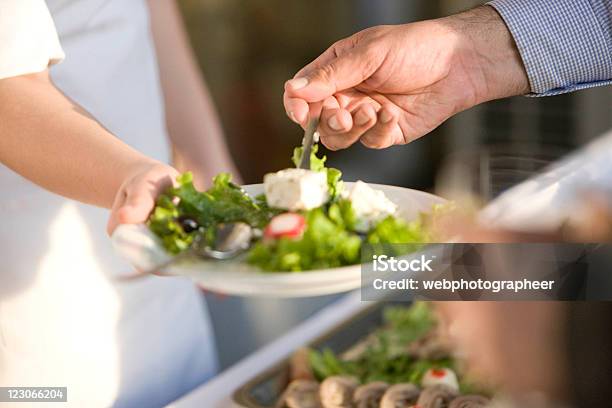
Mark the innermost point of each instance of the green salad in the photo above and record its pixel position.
(404, 349)
(386, 357)
(292, 239)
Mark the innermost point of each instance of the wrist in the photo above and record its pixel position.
(489, 54)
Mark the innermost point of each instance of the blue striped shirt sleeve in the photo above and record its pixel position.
(566, 45)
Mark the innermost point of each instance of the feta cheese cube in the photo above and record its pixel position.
(370, 205)
(296, 189)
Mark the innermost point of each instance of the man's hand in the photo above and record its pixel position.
(389, 85)
(136, 197)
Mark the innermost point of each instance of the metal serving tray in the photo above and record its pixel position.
(263, 390)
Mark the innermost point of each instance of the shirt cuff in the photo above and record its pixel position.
(565, 45)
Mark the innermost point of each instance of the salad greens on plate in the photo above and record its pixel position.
(293, 237)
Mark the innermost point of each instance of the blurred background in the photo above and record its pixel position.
(248, 49)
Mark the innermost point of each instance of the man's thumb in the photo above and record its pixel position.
(341, 73)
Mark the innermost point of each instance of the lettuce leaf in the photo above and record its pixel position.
(326, 243)
(223, 202)
(394, 230)
(318, 164)
(341, 212)
(163, 222)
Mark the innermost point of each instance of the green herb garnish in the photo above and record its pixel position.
(386, 358)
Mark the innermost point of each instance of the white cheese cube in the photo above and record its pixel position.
(296, 189)
(370, 205)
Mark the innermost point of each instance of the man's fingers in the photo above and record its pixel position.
(338, 48)
(297, 109)
(342, 66)
(346, 71)
(386, 132)
(332, 125)
(340, 137)
(365, 116)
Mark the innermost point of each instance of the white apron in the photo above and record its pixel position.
(63, 320)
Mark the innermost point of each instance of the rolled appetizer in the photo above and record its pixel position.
(369, 395)
(300, 394)
(400, 396)
(337, 391)
(438, 396)
(470, 401)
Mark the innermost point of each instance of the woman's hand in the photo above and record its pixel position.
(136, 196)
(389, 85)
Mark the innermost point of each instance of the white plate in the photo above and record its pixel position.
(143, 250)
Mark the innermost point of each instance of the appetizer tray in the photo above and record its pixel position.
(388, 356)
(144, 251)
(266, 388)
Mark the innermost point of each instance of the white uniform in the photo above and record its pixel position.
(64, 321)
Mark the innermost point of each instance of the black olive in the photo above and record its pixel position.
(188, 224)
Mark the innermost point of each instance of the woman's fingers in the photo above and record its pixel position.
(138, 204)
(132, 206)
(386, 132)
(136, 198)
(340, 129)
(113, 220)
